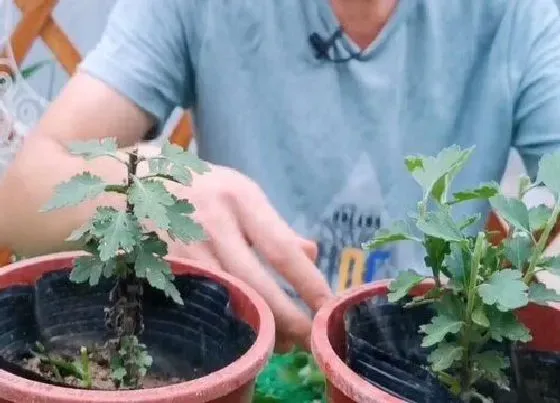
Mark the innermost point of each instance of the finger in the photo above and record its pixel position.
(238, 259)
(276, 242)
(201, 252)
(283, 345)
(309, 248)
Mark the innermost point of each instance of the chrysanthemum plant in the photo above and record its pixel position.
(121, 247)
(478, 286)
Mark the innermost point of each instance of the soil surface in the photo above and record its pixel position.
(99, 368)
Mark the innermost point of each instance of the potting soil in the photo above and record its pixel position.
(186, 342)
(383, 346)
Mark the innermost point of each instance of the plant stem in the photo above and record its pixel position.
(541, 244)
(466, 370)
(86, 368)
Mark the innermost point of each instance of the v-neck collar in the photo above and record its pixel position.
(402, 10)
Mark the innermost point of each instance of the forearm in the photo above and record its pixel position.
(28, 185)
(86, 109)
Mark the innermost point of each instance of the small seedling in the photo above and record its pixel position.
(122, 248)
(478, 286)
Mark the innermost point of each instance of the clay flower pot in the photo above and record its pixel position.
(232, 384)
(330, 346)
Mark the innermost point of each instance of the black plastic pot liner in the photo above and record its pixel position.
(384, 347)
(186, 342)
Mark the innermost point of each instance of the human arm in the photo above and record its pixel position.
(129, 84)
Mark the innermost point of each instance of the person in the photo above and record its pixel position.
(305, 109)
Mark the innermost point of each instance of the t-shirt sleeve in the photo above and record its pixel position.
(143, 54)
(535, 72)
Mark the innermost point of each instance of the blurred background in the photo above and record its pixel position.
(84, 20)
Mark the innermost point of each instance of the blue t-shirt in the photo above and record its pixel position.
(326, 141)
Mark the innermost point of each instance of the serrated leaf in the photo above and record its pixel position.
(172, 292)
(78, 189)
(177, 163)
(538, 216)
(150, 262)
(505, 289)
(492, 363)
(399, 231)
(115, 231)
(513, 211)
(181, 225)
(405, 281)
(440, 224)
(91, 149)
(444, 356)
(549, 166)
(436, 250)
(505, 325)
(80, 233)
(524, 185)
(151, 200)
(434, 174)
(440, 326)
(540, 294)
(518, 251)
(89, 269)
(484, 192)
(479, 316)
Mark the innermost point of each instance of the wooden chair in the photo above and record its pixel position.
(37, 22)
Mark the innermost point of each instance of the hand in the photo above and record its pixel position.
(237, 217)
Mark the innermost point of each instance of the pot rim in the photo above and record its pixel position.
(338, 373)
(207, 388)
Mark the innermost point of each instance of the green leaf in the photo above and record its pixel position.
(172, 292)
(440, 224)
(484, 192)
(492, 363)
(116, 231)
(538, 216)
(150, 263)
(434, 174)
(505, 325)
(81, 232)
(91, 149)
(505, 289)
(441, 326)
(518, 251)
(400, 231)
(457, 265)
(119, 374)
(180, 225)
(151, 200)
(513, 211)
(90, 268)
(467, 222)
(444, 356)
(405, 281)
(78, 189)
(524, 185)
(177, 163)
(479, 316)
(552, 264)
(549, 166)
(436, 251)
(539, 294)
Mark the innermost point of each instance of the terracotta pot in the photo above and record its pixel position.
(328, 341)
(232, 384)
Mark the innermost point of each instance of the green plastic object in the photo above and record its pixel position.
(293, 378)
